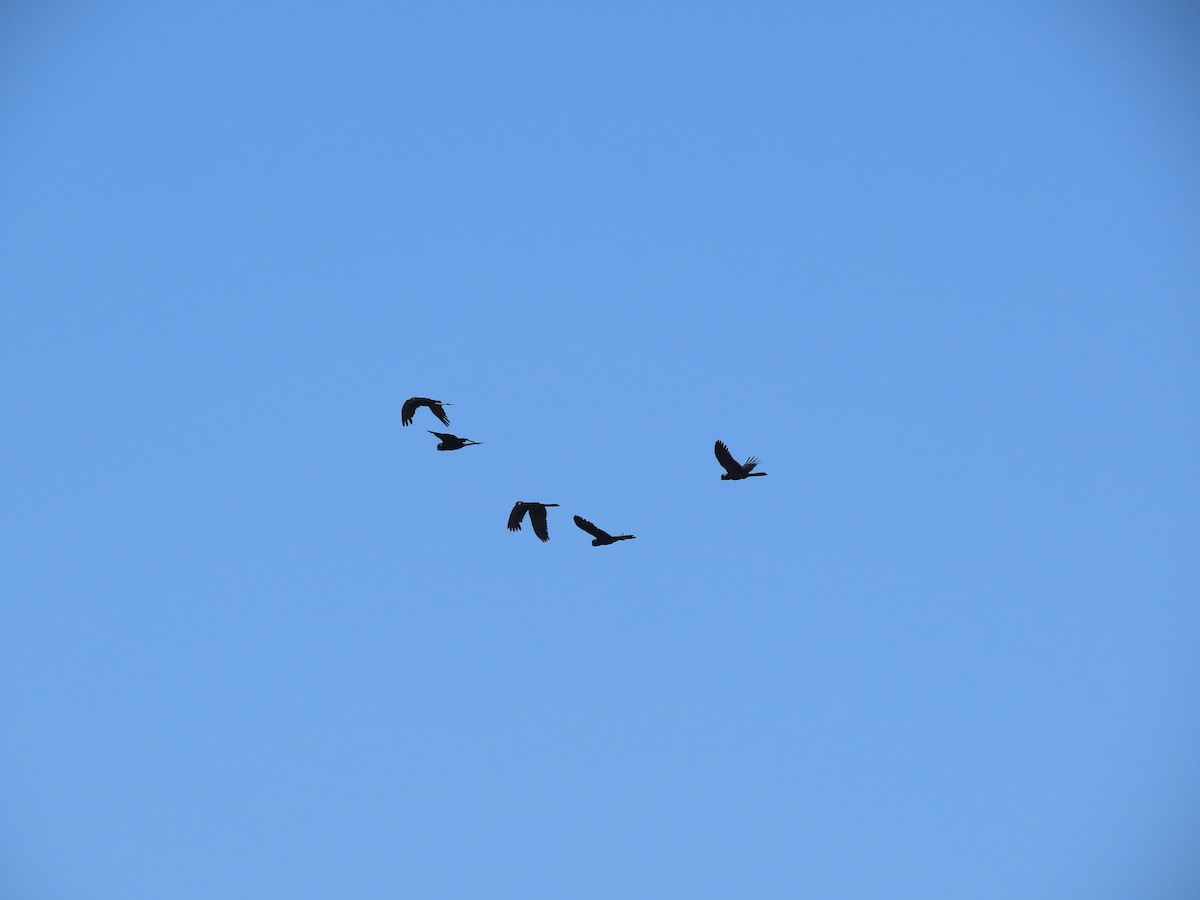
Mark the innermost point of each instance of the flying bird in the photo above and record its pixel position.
(451, 441)
(735, 471)
(435, 406)
(602, 537)
(537, 517)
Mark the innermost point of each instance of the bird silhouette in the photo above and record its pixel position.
(735, 471)
(602, 537)
(451, 441)
(537, 517)
(435, 406)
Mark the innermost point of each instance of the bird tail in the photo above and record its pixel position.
(624, 537)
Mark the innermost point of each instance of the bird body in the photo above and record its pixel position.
(413, 403)
(735, 471)
(537, 517)
(451, 441)
(601, 537)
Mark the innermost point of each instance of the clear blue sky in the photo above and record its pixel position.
(935, 263)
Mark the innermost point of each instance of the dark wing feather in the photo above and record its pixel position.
(444, 437)
(517, 514)
(407, 410)
(440, 413)
(591, 529)
(751, 462)
(537, 518)
(725, 458)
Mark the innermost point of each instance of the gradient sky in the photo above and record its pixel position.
(935, 263)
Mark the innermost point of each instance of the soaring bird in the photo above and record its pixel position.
(537, 517)
(735, 471)
(452, 442)
(601, 537)
(435, 406)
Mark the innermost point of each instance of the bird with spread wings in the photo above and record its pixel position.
(601, 537)
(735, 471)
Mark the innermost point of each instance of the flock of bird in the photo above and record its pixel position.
(734, 471)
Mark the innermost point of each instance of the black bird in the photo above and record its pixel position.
(735, 471)
(537, 517)
(452, 442)
(601, 537)
(435, 406)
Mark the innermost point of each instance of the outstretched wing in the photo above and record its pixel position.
(407, 410)
(591, 529)
(444, 437)
(751, 462)
(438, 411)
(725, 458)
(518, 513)
(537, 518)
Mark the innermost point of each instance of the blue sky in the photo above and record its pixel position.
(935, 264)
